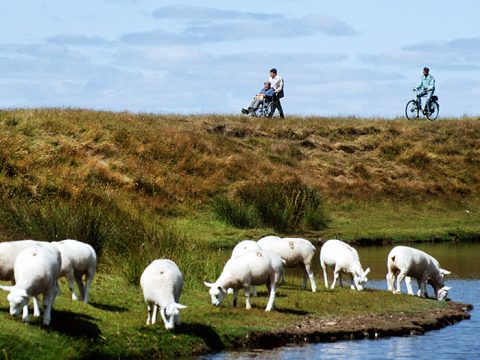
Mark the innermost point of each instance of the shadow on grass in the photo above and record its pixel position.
(266, 295)
(291, 311)
(111, 308)
(74, 325)
(209, 336)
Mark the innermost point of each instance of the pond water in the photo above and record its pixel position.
(459, 341)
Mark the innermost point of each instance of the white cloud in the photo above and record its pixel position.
(79, 40)
(209, 25)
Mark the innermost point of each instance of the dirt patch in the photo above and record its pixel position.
(372, 326)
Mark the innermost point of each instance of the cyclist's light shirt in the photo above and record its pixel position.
(427, 83)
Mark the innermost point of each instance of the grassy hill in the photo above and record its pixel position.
(125, 181)
(141, 186)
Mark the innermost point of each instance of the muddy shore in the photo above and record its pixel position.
(314, 330)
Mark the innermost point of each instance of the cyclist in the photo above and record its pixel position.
(426, 87)
(265, 94)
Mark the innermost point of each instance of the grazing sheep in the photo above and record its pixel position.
(255, 267)
(36, 272)
(162, 283)
(344, 259)
(8, 253)
(244, 246)
(241, 248)
(404, 261)
(78, 259)
(295, 252)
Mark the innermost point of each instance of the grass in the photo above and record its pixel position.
(285, 205)
(142, 186)
(364, 222)
(113, 324)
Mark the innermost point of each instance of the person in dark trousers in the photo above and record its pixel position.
(277, 85)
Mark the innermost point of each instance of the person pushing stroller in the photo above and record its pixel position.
(265, 95)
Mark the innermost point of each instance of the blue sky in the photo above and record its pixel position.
(343, 57)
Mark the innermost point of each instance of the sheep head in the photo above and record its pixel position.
(170, 314)
(216, 292)
(17, 299)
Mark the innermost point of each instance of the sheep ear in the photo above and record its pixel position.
(366, 271)
(180, 306)
(445, 272)
(446, 288)
(207, 284)
(6, 288)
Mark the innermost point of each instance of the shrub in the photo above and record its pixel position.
(125, 243)
(56, 220)
(287, 205)
(235, 212)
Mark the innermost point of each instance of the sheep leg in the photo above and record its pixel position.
(324, 268)
(235, 297)
(304, 281)
(71, 283)
(81, 287)
(390, 281)
(272, 285)
(335, 277)
(309, 272)
(422, 284)
(408, 282)
(48, 299)
(248, 306)
(25, 317)
(154, 313)
(400, 277)
(36, 307)
(88, 282)
(149, 314)
(353, 284)
(254, 290)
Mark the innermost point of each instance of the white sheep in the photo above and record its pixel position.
(162, 283)
(78, 259)
(241, 248)
(344, 259)
(36, 272)
(244, 246)
(404, 261)
(295, 252)
(255, 267)
(8, 253)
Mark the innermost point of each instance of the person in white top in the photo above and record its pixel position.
(277, 85)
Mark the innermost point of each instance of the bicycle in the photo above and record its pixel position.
(412, 110)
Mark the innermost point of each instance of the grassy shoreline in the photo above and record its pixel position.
(113, 324)
(141, 186)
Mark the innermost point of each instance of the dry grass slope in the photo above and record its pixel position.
(176, 163)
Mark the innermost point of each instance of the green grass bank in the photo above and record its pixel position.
(143, 186)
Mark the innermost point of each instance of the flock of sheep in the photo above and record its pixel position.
(261, 262)
(34, 268)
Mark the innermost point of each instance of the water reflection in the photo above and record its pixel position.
(453, 342)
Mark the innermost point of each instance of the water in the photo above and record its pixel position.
(459, 341)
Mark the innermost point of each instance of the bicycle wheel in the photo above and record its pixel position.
(434, 109)
(411, 110)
